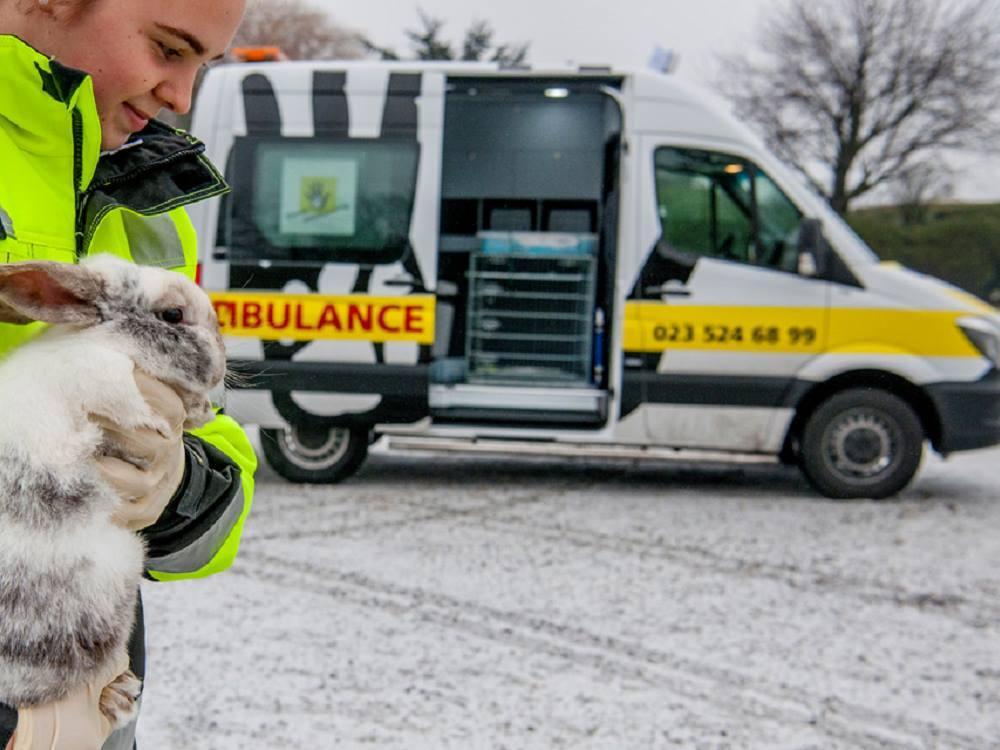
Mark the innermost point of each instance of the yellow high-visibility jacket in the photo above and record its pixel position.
(61, 199)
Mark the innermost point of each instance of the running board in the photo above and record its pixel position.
(571, 450)
(516, 397)
(518, 405)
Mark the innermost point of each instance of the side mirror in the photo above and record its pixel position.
(813, 250)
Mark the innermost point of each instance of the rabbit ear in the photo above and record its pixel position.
(49, 292)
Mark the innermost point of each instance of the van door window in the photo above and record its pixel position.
(723, 206)
(314, 201)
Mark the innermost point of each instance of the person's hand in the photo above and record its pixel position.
(76, 722)
(144, 467)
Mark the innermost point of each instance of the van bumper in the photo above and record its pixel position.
(969, 412)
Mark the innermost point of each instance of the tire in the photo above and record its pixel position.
(862, 443)
(315, 456)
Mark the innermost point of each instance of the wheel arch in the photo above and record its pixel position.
(805, 403)
(297, 460)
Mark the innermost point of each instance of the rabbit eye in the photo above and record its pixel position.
(172, 315)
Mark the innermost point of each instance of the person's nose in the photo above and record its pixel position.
(176, 92)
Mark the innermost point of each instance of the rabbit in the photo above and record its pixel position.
(69, 577)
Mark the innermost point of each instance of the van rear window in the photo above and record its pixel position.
(312, 200)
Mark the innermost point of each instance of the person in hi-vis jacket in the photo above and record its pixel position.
(85, 167)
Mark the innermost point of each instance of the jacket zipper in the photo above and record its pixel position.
(77, 179)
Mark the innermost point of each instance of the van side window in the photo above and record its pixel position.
(723, 206)
(308, 200)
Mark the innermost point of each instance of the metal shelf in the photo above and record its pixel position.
(541, 309)
(523, 336)
(535, 295)
(530, 316)
(515, 276)
(520, 356)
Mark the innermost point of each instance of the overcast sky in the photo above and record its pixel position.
(617, 32)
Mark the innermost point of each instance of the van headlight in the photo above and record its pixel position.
(983, 336)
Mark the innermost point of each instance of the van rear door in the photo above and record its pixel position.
(328, 241)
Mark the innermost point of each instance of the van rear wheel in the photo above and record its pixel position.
(862, 443)
(315, 456)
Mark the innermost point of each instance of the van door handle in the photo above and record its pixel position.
(670, 289)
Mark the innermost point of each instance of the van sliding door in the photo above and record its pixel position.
(527, 252)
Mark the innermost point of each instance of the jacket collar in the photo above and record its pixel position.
(158, 170)
(39, 96)
(53, 112)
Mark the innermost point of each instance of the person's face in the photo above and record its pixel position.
(144, 55)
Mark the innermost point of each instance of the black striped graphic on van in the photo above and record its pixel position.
(331, 116)
(260, 106)
(399, 118)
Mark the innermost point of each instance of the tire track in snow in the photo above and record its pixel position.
(976, 613)
(744, 697)
(427, 513)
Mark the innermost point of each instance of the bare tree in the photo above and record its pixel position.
(302, 31)
(428, 43)
(854, 92)
(918, 185)
(478, 40)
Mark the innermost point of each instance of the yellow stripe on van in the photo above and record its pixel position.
(926, 333)
(306, 317)
(654, 327)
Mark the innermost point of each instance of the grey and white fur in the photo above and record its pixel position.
(69, 576)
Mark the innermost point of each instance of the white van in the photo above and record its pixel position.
(571, 257)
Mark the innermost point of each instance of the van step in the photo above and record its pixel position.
(443, 398)
(569, 450)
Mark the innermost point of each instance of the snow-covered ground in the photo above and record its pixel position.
(447, 602)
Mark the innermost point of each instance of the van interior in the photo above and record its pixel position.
(526, 267)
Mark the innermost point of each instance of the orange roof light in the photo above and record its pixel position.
(257, 54)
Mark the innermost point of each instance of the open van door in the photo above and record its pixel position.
(528, 253)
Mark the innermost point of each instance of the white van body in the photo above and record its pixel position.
(570, 256)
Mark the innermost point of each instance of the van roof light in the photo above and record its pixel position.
(257, 54)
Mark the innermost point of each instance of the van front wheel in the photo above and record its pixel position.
(862, 442)
(315, 456)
